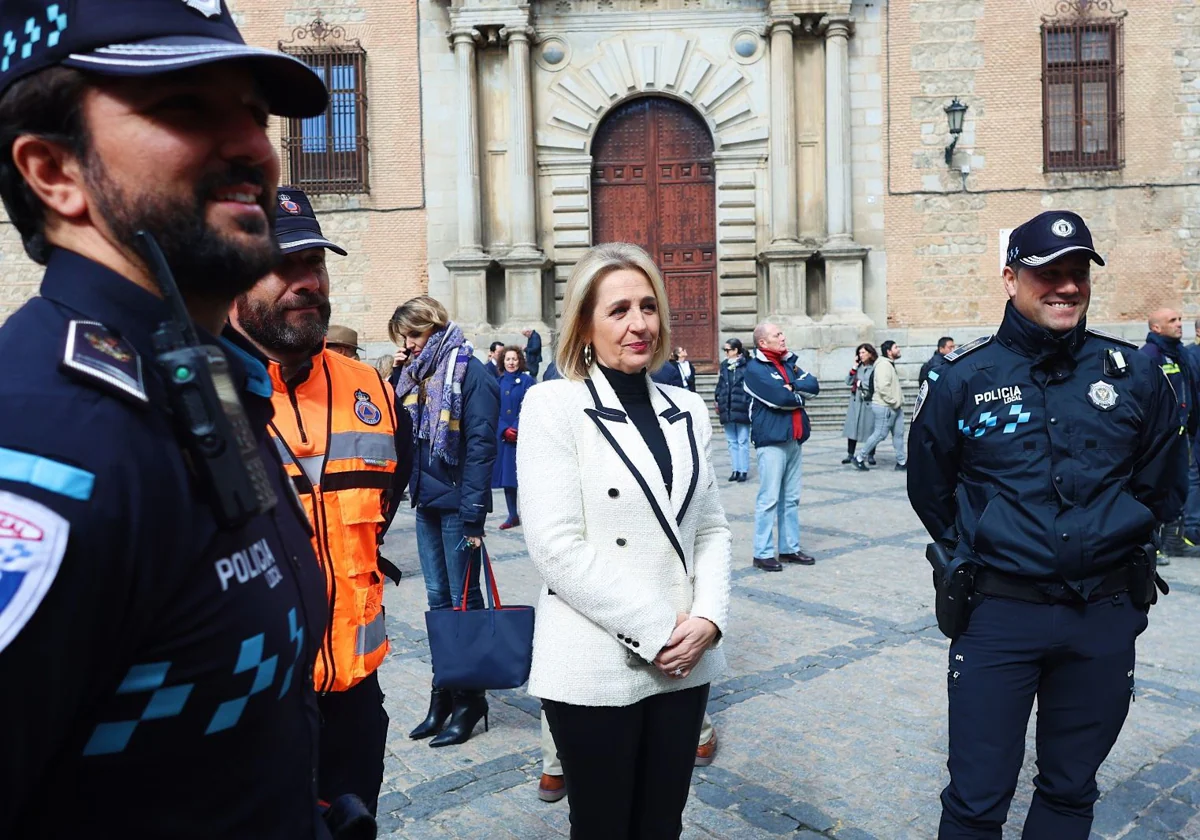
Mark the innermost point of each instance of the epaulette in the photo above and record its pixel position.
(99, 357)
(969, 347)
(1111, 337)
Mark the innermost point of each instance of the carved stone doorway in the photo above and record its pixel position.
(653, 184)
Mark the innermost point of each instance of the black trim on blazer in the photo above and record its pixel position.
(599, 414)
(672, 415)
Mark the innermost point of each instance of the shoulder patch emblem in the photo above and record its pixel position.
(1103, 395)
(97, 353)
(969, 347)
(33, 540)
(1111, 337)
(366, 410)
(921, 395)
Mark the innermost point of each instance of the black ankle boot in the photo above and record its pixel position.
(441, 703)
(469, 707)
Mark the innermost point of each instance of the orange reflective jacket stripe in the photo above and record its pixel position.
(335, 432)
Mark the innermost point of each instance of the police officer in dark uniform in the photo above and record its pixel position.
(156, 634)
(1041, 462)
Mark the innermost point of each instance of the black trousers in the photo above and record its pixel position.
(628, 768)
(353, 739)
(1078, 661)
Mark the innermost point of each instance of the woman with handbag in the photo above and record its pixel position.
(453, 402)
(623, 518)
(514, 382)
(733, 408)
(860, 421)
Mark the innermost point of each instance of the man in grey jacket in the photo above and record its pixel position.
(888, 407)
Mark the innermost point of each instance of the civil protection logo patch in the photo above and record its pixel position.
(33, 540)
(366, 410)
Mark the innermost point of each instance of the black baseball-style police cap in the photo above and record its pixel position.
(296, 226)
(146, 38)
(1048, 236)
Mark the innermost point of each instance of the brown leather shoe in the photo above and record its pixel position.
(551, 788)
(705, 753)
(799, 557)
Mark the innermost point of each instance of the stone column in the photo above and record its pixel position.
(784, 181)
(524, 263)
(468, 266)
(837, 131)
(784, 257)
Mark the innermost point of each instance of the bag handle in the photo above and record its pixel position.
(493, 593)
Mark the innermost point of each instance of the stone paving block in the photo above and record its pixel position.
(1164, 774)
(811, 816)
(393, 801)
(1185, 754)
(769, 821)
(1167, 814)
(1189, 793)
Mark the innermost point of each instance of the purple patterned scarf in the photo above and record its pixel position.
(437, 412)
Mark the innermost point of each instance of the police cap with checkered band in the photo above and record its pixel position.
(146, 38)
(1047, 237)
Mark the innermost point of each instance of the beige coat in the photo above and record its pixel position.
(887, 385)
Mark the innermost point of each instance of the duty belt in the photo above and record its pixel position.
(1003, 585)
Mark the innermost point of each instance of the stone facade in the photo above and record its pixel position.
(946, 227)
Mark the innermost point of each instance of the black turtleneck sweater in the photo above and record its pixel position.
(633, 391)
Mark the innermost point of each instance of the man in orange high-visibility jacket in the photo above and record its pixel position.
(348, 452)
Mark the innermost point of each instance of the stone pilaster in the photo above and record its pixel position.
(838, 187)
(524, 264)
(468, 266)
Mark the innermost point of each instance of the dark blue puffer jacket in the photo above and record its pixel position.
(466, 488)
(733, 403)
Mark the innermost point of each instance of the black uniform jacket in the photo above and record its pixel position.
(155, 669)
(1034, 458)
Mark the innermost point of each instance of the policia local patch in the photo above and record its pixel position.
(33, 540)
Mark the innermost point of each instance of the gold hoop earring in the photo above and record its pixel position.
(587, 355)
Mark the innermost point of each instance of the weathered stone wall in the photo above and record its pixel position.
(944, 229)
(384, 231)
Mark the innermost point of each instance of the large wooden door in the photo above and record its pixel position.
(653, 185)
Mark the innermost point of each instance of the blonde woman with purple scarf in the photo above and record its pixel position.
(454, 403)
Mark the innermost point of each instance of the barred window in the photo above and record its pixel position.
(328, 153)
(1082, 94)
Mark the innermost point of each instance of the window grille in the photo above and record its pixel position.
(1082, 94)
(328, 153)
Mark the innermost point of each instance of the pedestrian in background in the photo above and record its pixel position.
(887, 406)
(453, 401)
(514, 383)
(533, 352)
(733, 407)
(929, 370)
(777, 386)
(860, 420)
(495, 363)
(1165, 348)
(686, 372)
(623, 519)
(341, 340)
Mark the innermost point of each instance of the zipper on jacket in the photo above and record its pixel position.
(296, 408)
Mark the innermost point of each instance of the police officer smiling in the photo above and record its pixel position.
(156, 635)
(1041, 462)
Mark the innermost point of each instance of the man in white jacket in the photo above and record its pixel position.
(888, 407)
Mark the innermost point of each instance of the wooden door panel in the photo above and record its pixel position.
(653, 184)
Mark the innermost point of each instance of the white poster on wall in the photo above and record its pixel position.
(1004, 234)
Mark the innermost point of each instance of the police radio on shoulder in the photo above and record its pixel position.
(210, 422)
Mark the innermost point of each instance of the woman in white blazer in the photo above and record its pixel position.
(623, 519)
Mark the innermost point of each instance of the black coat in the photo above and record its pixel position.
(733, 403)
(533, 353)
(465, 489)
(668, 374)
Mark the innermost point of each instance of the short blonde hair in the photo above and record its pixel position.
(580, 301)
(417, 315)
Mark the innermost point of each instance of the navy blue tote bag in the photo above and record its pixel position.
(490, 648)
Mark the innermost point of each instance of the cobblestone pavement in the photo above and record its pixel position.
(832, 719)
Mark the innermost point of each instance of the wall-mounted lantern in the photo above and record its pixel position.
(955, 113)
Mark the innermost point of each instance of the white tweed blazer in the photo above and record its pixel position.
(620, 557)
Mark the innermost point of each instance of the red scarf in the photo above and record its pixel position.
(776, 359)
